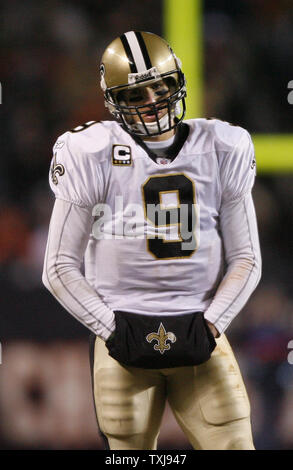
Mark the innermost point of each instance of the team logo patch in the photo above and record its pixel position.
(163, 160)
(161, 337)
(121, 155)
(57, 169)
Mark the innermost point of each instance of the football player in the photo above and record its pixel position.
(160, 210)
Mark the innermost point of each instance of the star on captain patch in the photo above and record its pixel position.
(121, 155)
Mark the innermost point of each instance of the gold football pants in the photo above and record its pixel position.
(209, 401)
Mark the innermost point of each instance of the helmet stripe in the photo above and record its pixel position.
(144, 50)
(136, 51)
(128, 52)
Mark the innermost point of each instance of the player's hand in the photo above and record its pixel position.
(213, 329)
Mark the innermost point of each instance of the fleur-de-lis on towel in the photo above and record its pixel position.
(161, 336)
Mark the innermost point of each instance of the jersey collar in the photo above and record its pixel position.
(172, 152)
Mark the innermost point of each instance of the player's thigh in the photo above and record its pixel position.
(210, 402)
(129, 401)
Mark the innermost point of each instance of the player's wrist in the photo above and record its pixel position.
(111, 336)
(213, 329)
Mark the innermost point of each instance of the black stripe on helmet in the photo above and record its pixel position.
(128, 53)
(144, 50)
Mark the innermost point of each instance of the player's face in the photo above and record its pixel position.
(145, 96)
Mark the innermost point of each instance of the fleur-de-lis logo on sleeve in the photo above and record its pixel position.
(57, 169)
(161, 337)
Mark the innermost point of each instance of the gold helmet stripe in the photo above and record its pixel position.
(137, 51)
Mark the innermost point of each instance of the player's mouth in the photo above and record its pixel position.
(151, 116)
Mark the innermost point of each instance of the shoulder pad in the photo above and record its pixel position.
(227, 135)
(90, 138)
(216, 134)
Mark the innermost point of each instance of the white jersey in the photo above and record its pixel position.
(156, 240)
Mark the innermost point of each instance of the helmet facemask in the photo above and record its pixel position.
(174, 104)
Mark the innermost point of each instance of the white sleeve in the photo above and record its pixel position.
(74, 172)
(239, 231)
(69, 231)
(242, 253)
(238, 169)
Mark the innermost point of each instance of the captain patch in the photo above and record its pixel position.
(121, 155)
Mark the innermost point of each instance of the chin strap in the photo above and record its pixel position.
(152, 127)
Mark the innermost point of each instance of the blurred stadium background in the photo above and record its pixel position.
(49, 55)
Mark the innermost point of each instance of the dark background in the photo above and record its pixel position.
(50, 51)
